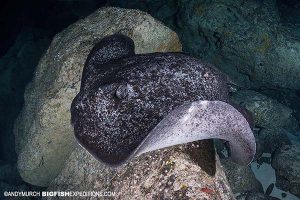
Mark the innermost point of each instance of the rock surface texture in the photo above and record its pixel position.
(181, 172)
(241, 178)
(274, 120)
(247, 39)
(267, 112)
(286, 162)
(44, 135)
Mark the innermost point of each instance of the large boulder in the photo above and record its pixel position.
(286, 162)
(190, 171)
(44, 135)
(274, 119)
(255, 196)
(267, 112)
(273, 139)
(241, 178)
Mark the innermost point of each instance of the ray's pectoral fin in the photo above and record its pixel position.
(110, 48)
(203, 120)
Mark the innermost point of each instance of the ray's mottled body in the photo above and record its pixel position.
(124, 96)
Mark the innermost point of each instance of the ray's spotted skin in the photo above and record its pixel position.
(131, 103)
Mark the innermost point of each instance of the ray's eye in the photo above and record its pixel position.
(122, 91)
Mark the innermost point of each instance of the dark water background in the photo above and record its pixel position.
(27, 28)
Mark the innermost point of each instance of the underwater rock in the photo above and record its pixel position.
(275, 120)
(257, 196)
(245, 39)
(267, 112)
(240, 178)
(289, 98)
(286, 162)
(259, 148)
(269, 189)
(273, 139)
(44, 135)
(181, 172)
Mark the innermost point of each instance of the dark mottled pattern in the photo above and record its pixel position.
(123, 96)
